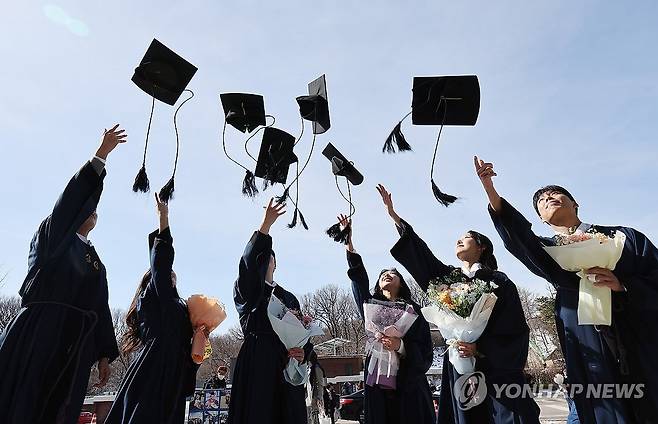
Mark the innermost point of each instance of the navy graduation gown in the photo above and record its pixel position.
(260, 394)
(593, 354)
(411, 402)
(503, 345)
(64, 326)
(163, 374)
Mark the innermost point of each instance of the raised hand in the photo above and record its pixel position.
(344, 222)
(163, 212)
(387, 199)
(485, 172)
(111, 139)
(273, 211)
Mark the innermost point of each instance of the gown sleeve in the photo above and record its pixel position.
(250, 283)
(106, 342)
(519, 239)
(416, 257)
(162, 261)
(359, 277)
(78, 200)
(642, 286)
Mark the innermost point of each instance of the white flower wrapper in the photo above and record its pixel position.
(292, 333)
(454, 328)
(594, 303)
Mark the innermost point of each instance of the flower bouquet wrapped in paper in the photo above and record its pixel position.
(581, 251)
(385, 319)
(294, 330)
(461, 310)
(206, 313)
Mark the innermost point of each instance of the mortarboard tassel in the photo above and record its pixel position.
(443, 198)
(338, 235)
(293, 223)
(141, 181)
(167, 191)
(281, 200)
(249, 184)
(303, 221)
(396, 137)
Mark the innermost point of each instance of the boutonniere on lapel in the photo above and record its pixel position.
(95, 264)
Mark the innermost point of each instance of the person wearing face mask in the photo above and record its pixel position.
(218, 380)
(64, 325)
(502, 349)
(411, 400)
(260, 394)
(163, 374)
(621, 352)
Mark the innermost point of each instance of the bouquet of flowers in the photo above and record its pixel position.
(385, 319)
(294, 330)
(583, 250)
(460, 309)
(206, 314)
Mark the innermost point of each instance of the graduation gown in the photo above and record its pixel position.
(503, 346)
(593, 354)
(260, 394)
(64, 326)
(163, 375)
(411, 401)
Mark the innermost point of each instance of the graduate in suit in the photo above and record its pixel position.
(64, 326)
(501, 351)
(411, 400)
(163, 374)
(621, 352)
(260, 394)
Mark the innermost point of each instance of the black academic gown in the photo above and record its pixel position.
(594, 354)
(260, 394)
(64, 326)
(163, 375)
(411, 401)
(503, 345)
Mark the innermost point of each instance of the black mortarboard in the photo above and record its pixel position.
(275, 156)
(315, 106)
(244, 112)
(163, 74)
(341, 167)
(443, 100)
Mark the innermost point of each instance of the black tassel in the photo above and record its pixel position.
(281, 200)
(396, 137)
(443, 198)
(249, 184)
(338, 235)
(167, 191)
(293, 223)
(301, 218)
(141, 181)
(266, 184)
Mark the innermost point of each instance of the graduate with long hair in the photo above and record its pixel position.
(614, 353)
(501, 351)
(411, 400)
(163, 374)
(260, 394)
(64, 325)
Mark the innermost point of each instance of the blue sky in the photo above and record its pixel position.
(569, 96)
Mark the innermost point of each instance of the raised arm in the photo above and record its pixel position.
(162, 254)
(254, 262)
(356, 270)
(410, 250)
(516, 232)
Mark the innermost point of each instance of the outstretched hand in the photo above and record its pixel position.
(344, 222)
(273, 211)
(163, 212)
(485, 171)
(111, 139)
(387, 199)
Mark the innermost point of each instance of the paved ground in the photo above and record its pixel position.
(553, 411)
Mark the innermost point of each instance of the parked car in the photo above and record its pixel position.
(351, 406)
(85, 418)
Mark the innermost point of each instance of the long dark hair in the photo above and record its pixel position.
(130, 341)
(487, 258)
(404, 293)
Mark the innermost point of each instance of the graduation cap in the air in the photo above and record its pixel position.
(163, 75)
(315, 106)
(443, 100)
(275, 156)
(246, 113)
(341, 167)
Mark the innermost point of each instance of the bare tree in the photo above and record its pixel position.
(9, 307)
